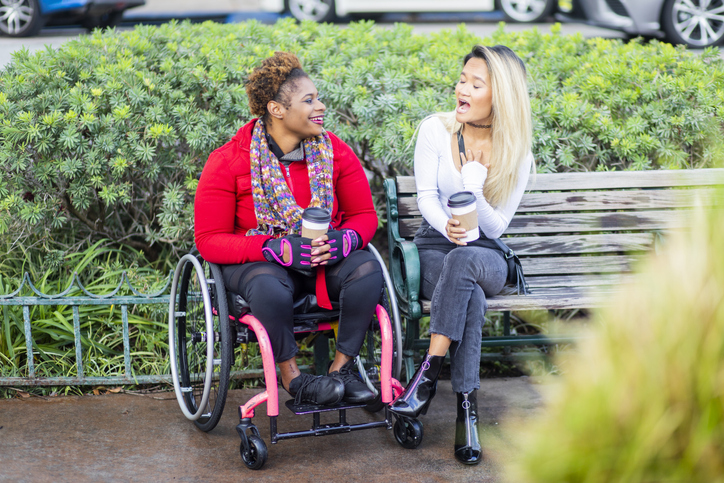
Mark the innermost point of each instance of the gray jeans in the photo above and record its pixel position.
(457, 280)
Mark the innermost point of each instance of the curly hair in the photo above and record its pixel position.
(273, 81)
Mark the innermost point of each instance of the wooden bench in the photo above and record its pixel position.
(577, 235)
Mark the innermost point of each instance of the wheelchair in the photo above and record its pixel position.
(207, 323)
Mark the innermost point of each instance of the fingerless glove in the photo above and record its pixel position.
(342, 243)
(299, 251)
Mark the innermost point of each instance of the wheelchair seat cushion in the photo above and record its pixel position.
(305, 308)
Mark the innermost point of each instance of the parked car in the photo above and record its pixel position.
(24, 18)
(695, 23)
(329, 10)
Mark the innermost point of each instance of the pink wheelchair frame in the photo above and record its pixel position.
(188, 345)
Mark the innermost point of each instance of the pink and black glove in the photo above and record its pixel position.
(299, 249)
(342, 243)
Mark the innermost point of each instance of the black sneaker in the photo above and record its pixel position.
(318, 390)
(355, 391)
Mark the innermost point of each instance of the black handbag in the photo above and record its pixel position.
(516, 277)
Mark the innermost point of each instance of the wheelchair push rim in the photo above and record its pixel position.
(174, 315)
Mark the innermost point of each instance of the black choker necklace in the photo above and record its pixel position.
(481, 126)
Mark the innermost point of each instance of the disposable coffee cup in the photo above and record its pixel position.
(315, 222)
(463, 208)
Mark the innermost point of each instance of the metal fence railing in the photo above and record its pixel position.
(75, 296)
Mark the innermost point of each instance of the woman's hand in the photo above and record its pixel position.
(476, 157)
(334, 246)
(320, 251)
(454, 232)
(288, 251)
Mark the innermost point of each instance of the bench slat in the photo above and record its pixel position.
(578, 265)
(597, 201)
(605, 180)
(598, 280)
(579, 244)
(616, 200)
(580, 222)
(565, 298)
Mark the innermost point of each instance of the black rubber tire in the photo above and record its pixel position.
(192, 354)
(408, 432)
(108, 20)
(257, 455)
(27, 28)
(668, 21)
(511, 16)
(329, 16)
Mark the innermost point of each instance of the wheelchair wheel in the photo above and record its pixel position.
(255, 456)
(200, 341)
(408, 432)
(370, 356)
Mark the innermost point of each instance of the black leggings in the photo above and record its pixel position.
(270, 291)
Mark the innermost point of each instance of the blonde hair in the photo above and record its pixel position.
(512, 131)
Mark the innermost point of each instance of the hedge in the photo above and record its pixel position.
(105, 137)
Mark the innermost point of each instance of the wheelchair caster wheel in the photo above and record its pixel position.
(255, 456)
(376, 405)
(408, 432)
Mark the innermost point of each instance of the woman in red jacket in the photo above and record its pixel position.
(248, 210)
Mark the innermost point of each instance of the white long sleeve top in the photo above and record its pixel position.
(437, 179)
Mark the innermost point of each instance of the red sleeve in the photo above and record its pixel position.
(352, 192)
(214, 213)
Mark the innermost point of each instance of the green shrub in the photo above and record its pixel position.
(642, 400)
(107, 135)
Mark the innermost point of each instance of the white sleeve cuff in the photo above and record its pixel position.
(474, 175)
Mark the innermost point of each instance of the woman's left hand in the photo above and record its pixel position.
(320, 251)
(334, 246)
(476, 157)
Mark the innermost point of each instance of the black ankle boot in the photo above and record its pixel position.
(421, 389)
(467, 443)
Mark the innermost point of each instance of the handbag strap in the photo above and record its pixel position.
(504, 248)
(508, 253)
(461, 146)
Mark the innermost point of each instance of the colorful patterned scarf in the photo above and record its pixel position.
(277, 212)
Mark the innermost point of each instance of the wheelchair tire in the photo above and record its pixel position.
(255, 457)
(200, 370)
(408, 432)
(371, 353)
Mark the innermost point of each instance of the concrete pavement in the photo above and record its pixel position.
(124, 437)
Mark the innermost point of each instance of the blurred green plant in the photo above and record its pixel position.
(643, 399)
(108, 134)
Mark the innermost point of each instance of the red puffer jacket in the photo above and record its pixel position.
(224, 206)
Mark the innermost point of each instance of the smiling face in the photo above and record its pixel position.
(302, 113)
(474, 93)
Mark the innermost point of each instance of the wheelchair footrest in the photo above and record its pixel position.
(312, 408)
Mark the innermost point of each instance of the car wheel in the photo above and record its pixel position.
(316, 10)
(108, 20)
(20, 18)
(527, 11)
(694, 23)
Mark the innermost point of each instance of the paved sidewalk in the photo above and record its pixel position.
(124, 437)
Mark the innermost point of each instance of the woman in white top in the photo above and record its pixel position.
(493, 120)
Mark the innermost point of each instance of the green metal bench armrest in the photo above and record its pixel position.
(405, 271)
(404, 260)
